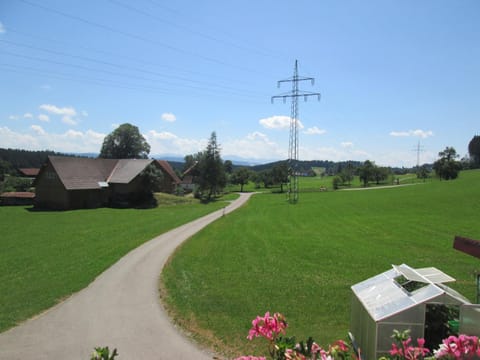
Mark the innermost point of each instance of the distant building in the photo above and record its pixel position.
(75, 183)
(170, 179)
(17, 198)
(29, 172)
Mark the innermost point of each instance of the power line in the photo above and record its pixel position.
(134, 36)
(233, 91)
(123, 56)
(231, 42)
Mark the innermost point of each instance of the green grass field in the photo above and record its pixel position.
(46, 256)
(302, 259)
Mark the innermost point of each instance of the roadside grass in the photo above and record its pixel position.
(46, 255)
(301, 259)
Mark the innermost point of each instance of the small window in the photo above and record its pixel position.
(409, 285)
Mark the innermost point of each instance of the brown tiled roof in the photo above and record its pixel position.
(168, 169)
(127, 169)
(87, 173)
(29, 171)
(18, 194)
(82, 173)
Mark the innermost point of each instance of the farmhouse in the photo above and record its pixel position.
(170, 179)
(75, 183)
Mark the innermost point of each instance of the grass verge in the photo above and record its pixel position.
(46, 256)
(302, 259)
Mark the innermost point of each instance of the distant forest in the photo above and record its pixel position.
(13, 159)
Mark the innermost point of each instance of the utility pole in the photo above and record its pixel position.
(292, 191)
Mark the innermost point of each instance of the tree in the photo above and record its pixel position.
(474, 151)
(280, 175)
(447, 167)
(366, 172)
(241, 177)
(380, 174)
(423, 173)
(228, 166)
(125, 142)
(211, 172)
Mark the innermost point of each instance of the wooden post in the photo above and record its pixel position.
(470, 247)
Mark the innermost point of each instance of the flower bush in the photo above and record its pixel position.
(402, 348)
(463, 347)
(270, 327)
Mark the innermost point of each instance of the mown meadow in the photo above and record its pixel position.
(301, 259)
(47, 255)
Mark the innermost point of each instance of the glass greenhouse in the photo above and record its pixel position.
(397, 299)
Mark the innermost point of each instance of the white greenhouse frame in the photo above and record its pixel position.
(380, 305)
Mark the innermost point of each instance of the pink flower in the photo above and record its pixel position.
(251, 358)
(315, 348)
(268, 326)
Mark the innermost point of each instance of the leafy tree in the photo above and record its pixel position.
(125, 142)
(447, 167)
(423, 173)
(241, 177)
(380, 174)
(474, 151)
(279, 175)
(211, 171)
(152, 178)
(228, 166)
(366, 172)
(14, 183)
(266, 178)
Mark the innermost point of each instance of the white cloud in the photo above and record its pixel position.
(255, 145)
(14, 140)
(314, 131)
(46, 87)
(168, 143)
(43, 117)
(278, 122)
(27, 116)
(84, 113)
(163, 135)
(38, 130)
(69, 120)
(2, 28)
(346, 144)
(13, 117)
(65, 111)
(417, 133)
(39, 139)
(169, 117)
(333, 154)
(68, 113)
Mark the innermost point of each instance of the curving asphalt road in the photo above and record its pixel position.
(120, 309)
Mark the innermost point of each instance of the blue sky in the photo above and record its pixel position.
(391, 74)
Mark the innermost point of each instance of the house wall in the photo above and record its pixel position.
(87, 199)
(49, 191)
(168, 185)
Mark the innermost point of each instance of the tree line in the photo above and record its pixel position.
(212, 174)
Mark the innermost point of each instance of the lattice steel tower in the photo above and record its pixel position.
(292, 192)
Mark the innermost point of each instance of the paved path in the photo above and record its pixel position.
(120, 309)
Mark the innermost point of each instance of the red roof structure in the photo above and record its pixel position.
(30, 172)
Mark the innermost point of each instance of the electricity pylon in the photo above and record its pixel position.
(292, 191)
(418, 149)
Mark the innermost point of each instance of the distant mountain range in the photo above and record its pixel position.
(176, 158)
